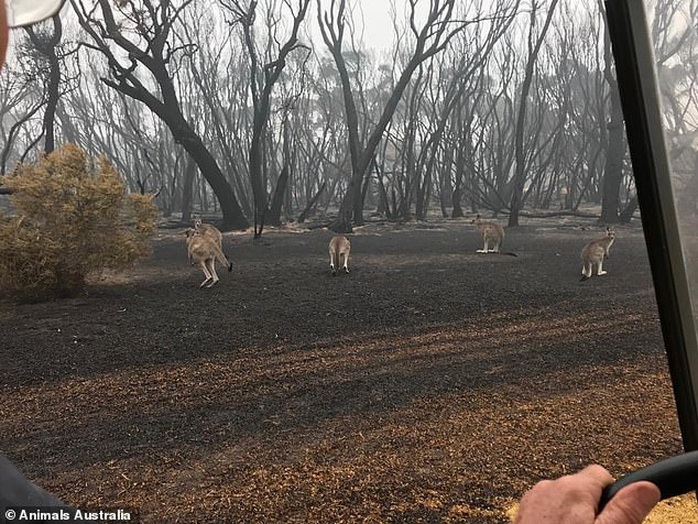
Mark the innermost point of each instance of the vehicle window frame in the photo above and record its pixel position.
(637, 81)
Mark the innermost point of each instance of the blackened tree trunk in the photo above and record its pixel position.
(47, 46)
(613, 170)
(311, 203)
(263, 77)
(433, 37)
(152, 25)
(188, 188)
(289, 157)
(517, 197)
(629, 211)
(278, 198)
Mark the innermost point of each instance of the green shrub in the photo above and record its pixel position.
(72, 219)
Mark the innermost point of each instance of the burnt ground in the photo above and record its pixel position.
(431, 384)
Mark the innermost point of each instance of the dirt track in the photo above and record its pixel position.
(431, 384)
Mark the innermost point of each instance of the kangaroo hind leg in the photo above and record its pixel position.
(333, 267)
(600, 270)
(212, 270)
(207, 274)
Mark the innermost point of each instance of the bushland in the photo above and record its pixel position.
(71, 217)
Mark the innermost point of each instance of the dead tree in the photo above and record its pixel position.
(153, 47)
(433, 37)
(534, 45)
(46, 44)
(263, 77)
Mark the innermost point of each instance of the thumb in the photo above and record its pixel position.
(631, 504)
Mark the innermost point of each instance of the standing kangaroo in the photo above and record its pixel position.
(204, 252)
(491, 232)
(339, 254)
(595, 252)
(212, 233)
(209, 230)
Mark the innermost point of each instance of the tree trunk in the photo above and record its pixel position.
(312, 203)
(184, 134)
(163, 99)
(188, 188)
(53, 88)
(233, 217)
(342, 224)
(629, 211)
(273, 216)
(517, 197)
(431, 39)
(259, 194)
(46, 45)
(613, 171)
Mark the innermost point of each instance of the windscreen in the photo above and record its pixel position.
(675, 43)
(654, 46)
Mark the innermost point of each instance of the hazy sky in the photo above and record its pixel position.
(378, 29)
(377, 21)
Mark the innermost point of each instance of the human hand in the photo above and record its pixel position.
(574, 499)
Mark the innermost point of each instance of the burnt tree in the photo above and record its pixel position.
(263, 77)
(153, 48)
(433, 37)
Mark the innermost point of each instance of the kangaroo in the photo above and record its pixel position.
(209, 230)
(491, 231)
(202, 251)
(595, 252)
(339, 254)
(212, 233)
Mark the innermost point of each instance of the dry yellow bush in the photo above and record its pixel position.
(73, 218)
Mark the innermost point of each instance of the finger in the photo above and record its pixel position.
(597, 475)
(631, 504)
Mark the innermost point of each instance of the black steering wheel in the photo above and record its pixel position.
(673, 476)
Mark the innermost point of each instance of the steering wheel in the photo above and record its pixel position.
(673, 476)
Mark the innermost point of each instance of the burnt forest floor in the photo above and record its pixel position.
(431, 384)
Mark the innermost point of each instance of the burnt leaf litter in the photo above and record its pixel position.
(431, 384)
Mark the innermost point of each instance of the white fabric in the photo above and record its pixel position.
(27, 12)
